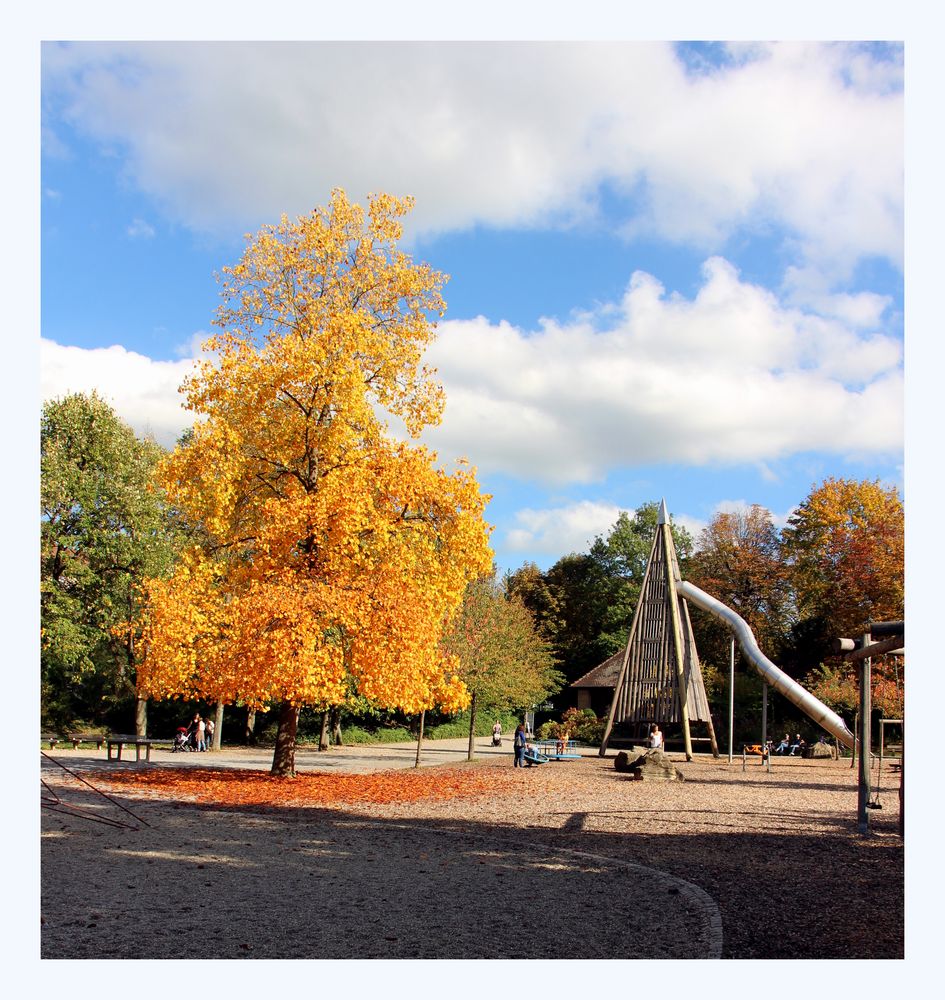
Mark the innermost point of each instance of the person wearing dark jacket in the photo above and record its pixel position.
(518, 745)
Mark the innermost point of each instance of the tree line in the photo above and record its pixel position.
(835, 566)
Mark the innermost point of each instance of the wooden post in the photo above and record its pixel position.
(863, 788)
(765, 756)
(731, 698)
(681, 680)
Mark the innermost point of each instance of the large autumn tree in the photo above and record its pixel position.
(102, 531)
(335, 553)
(845, 555)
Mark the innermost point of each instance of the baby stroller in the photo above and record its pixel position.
(496, 739)
(181, 741)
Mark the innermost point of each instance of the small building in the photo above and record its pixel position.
(595, 690)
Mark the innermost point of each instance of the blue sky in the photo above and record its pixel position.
(676, 270)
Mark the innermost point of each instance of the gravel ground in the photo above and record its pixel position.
(730, 863)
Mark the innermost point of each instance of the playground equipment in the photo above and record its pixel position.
(800, 697)
(533, 756)
(553, 749)
(660, 679)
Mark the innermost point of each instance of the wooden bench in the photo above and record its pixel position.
(49, 738)
(76, 738)
(136, 741)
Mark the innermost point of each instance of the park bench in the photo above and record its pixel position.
(76, 738)
(118, 742)
(49, 738)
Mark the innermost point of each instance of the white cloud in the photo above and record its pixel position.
(142, 391)
(806, 136)
(558, 530)
(728, 376)
(140, 230)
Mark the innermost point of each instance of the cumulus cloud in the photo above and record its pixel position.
(728, 376)
(803, 136)
(142, 391)
(556, 530)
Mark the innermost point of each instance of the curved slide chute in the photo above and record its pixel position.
(774, 675)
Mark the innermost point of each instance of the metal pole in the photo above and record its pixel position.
(731, 698)
(863, 792)
(764, 723)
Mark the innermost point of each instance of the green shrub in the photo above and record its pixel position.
(357, 734)
(576, 724)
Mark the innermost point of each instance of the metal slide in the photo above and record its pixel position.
(775, 676)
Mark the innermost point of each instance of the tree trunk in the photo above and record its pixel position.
(218, 727)
(283, 758)
(250, 734)
(323, 735)
(141, 717)
(416, 763)
(472, 727)
(335, 725)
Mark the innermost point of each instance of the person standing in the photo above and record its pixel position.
(518, 746)
(211, 725)
(192, 732)
(201, 734)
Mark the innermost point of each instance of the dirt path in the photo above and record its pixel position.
(577, 863)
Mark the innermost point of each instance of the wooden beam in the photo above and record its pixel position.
(681, 681)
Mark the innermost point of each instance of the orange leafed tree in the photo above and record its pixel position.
(845, 555)
(845, 551)
(333, 554)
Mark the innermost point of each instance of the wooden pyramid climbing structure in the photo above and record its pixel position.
(660, 662)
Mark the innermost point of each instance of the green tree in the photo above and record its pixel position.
(503, 660)
(621, 559)
(584, 603)
(102, 530)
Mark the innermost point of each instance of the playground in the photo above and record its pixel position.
(362, 859)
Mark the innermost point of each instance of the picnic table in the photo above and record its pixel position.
(118, 742)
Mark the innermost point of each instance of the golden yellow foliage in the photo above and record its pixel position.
(332, 551)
